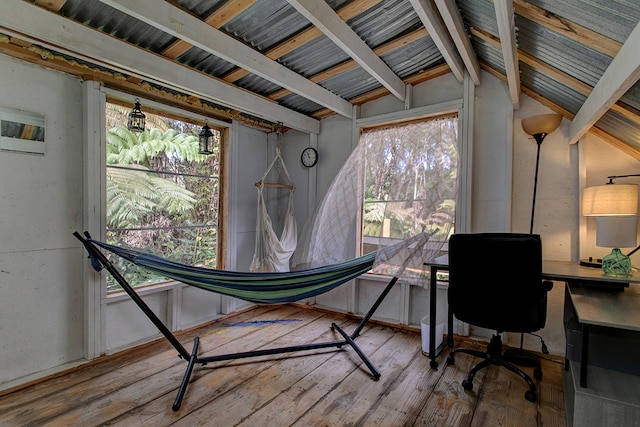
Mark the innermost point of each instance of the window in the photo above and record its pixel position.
(162, 195)
(410, 181)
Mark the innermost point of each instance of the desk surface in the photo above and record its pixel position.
(561, 271)
(573, 271)
(615, 309)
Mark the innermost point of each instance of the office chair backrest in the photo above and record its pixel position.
(495, 281)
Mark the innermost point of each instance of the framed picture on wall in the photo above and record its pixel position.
(22, 131)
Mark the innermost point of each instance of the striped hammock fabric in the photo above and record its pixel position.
(260, 288)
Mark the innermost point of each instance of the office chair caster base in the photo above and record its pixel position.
(433, 364)
(467, 384)
(450, 359)
(530, 395)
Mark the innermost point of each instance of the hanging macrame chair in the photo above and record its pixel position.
(272, 253)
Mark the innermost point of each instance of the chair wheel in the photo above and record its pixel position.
(450, 359)
(537, 373)
(468, 385)
(433, 364)
(530, 395)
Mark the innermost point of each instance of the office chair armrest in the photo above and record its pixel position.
(547, 285)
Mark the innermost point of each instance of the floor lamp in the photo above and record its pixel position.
(539, 127)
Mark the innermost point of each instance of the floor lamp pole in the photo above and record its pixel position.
(539, 137)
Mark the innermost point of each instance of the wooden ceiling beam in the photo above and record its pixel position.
(350, 64)
(567, 28)
(38, 56)
(422, 76)
(172, 20)
(618, 78)
(346, 12)
(322, 16)
(217, 19)
(431, 21)
(54, 32)
(567, 80)
(52, 5)
(616, 142)
(453, 20)
(507, 32)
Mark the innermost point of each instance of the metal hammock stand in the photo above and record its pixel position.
(99, 260)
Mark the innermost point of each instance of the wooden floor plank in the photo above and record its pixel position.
(164, 384)
(320, 387)
(149, 355)
(209, 393)
(450, 404)
(507, 407)
(551, 395)
(407, 396)
(307, 390)
(128, 388)
(353, 397)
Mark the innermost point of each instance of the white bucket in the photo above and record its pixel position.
(424, 326)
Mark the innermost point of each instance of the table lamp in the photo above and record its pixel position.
(615, 208)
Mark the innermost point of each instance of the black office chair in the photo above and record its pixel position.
(495, 282)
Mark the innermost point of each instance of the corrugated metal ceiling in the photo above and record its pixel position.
(555, 62)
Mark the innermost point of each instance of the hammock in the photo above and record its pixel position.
(257, 287)
(260, 288)
(273, 253)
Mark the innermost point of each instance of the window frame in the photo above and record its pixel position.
(463, 205)
(96, 302)
(165, 111)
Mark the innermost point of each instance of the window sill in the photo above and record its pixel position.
(383, 278)
(145, 290)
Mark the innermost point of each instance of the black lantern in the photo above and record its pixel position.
(136, 119)
(206, 140)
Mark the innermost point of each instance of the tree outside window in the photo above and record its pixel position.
(162, 195)
(410, 181)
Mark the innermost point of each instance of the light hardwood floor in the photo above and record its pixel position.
(326, 388)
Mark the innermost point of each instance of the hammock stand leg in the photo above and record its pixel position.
(193, 358)
(365, 320)
(94, 252)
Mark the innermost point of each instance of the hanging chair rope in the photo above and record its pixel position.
(272, 253)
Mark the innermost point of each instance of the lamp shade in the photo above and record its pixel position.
(616, 231)
(610, 200)
(541, 124)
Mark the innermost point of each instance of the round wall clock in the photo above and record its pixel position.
(309, 157)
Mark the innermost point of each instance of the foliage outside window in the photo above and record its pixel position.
(162, 195)
(412, 187)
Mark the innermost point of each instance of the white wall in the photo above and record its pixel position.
(249, 159)
(41, 289)
(492, 148)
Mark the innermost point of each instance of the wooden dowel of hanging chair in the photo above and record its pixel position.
(274, 185)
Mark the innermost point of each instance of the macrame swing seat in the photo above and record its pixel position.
(263, 288)
(272, 253)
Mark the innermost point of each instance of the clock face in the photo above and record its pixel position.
(309, 157)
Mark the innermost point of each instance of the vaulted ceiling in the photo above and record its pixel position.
(298, 61)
